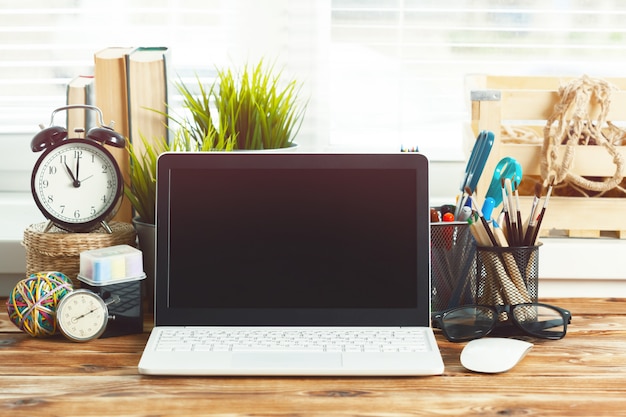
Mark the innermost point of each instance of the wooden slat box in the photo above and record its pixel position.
(528, 102)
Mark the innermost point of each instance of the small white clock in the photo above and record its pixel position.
(82, 315)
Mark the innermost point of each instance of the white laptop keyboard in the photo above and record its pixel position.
(300, 339)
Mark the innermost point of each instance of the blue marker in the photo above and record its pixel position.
(488, 207)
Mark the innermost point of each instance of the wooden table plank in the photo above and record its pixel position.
(579, 347)
(593, 306)
(583, 374)
(474, 395)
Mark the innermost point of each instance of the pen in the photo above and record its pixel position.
(434, 216)
(465, 213)
(488, 206)
(412, 149)
(445, 213)
(447, 217)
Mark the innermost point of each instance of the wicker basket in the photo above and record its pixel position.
(59, 250)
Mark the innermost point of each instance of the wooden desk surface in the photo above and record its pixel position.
(581, 375)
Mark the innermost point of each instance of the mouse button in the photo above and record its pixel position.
(514, 348)
(477, 362)
(493, 355)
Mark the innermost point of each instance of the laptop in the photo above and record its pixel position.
(321, 261)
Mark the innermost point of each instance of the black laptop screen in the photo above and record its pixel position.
(272, 238)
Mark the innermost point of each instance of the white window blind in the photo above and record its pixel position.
(44, 45)
(413, 56)
(379, 73)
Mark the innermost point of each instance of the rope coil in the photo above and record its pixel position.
(578, 119)
(572, 124)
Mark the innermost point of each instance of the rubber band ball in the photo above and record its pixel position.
(32, 303)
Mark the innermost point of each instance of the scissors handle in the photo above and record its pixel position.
(478, 159)
(507, 167)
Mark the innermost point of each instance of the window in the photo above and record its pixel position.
(413, 56)
(44, 46)
(379, 73)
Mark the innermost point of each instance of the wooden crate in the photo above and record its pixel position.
(528, 102)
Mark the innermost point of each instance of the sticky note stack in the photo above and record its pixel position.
(115, 264)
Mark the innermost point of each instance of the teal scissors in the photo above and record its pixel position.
(507, 167)
(475, 165)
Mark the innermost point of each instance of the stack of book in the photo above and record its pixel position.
(130, 87)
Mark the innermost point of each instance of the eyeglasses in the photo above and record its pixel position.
(473, 321)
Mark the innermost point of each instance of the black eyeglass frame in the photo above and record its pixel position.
(438, 320)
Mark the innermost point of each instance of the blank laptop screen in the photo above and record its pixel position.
(257, 235)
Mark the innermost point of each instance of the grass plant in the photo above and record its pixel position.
(255, 108)
(141, 192)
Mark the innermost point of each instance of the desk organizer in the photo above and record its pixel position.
(503, 104)
(453, 265)
(507, 275)
(115, 274)
(59, 250)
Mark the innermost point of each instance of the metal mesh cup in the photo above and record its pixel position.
(507, 275)
(453, 260)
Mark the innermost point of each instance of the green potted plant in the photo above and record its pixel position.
(255, 108)
(256, 111)
(141, 191)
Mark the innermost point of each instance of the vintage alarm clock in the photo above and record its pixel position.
(76, 182)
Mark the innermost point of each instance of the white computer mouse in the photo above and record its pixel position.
(493, 354)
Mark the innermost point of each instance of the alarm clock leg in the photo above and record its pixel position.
(48, 226)
(106, 227)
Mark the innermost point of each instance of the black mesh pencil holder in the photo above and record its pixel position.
(453, 265)
(507, 275)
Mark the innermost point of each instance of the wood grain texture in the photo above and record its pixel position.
(583, 374)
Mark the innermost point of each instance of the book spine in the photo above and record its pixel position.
(147, 96)
(80, 91)
(90, 117)
(112, 98)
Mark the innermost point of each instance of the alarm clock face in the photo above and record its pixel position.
(82, 316)
(77, 184)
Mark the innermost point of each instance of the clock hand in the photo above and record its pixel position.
(112, 300)
(75, 182)
(77, 162)
(85, 314)
(69, 171)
